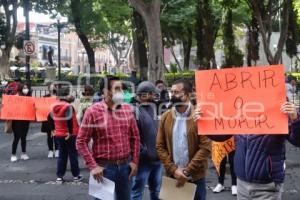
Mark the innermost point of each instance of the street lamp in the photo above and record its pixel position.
(58, 18)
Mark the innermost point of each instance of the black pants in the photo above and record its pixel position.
(50, 141)
(20, 130)
(67, 148)
(223, 169)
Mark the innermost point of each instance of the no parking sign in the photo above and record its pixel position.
(29, 48)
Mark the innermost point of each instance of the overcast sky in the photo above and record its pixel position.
(36, 17)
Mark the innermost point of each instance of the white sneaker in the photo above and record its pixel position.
(219, 188)
(234, 190)
(50, 154)
(24, 156)
(56, 154)
(13, 158)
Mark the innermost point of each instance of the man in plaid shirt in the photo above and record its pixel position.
(116, 142)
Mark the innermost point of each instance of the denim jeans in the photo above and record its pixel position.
(120, 175)
(67, 148)
(147, 173)
(201, 189)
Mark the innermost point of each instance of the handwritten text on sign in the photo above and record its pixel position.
(17, 108)
(220, 150)
(242, 100)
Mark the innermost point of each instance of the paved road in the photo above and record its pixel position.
(34, 179)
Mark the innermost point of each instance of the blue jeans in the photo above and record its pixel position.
(201, 189)
(120, 175)
(67, 148)
(147, 173)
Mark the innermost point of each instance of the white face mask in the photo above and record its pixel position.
(25, 91)
(118, 98)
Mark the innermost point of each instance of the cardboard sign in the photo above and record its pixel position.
(17, 108)
(43, 107)
(220, 150)
(169, 191)
(242, 101)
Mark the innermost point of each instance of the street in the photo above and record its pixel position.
(35, 179)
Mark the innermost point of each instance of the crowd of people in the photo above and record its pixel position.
(129, 139)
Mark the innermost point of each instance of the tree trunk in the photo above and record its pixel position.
(151, 15)
(175, 58)
(75, 12)
(4, 63)
(187, 46)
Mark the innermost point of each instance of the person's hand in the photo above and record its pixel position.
(97, 173)
(197, 113)
(133, 170)
(180, 177)
(290, 109)
(68, 136)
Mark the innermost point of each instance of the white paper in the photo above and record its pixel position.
(104, 190)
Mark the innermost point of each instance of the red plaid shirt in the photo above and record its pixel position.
(115, 134)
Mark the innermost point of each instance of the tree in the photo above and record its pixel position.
(150, 11)
(252, 42)
(139, 44)
(265, 12)
(8, 26)
(292, 37)
(178, 22)
(208, 23)
(233, 55)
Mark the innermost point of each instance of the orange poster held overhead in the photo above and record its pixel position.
(17, 108)
(43, 107)
(242, 101)
(220, 150)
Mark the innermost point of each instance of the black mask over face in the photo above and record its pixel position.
(176, 101)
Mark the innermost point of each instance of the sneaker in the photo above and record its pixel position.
(24, 156)
(50, 154)
(78, 178)
(234, 190)
(13, 158)
(56, 154)
(59, 180)
(219, 188)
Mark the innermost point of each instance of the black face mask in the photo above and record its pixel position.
(176, 100)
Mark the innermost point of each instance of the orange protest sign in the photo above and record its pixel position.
(17, 108)
(242, 100)
(220, 150)
(43, 107)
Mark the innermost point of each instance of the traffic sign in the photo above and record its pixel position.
(29, 48)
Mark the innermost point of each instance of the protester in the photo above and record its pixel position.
(182, 151)
(259, 159)
(291, 88)
(150, 168)
(85, 101)
(12, 88)
(220, 186)
(20, 127)
(65, 131)
(163, 97)
(52, 144)
(116, 142)
(133, 78)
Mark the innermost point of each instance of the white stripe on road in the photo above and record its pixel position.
(29, 138)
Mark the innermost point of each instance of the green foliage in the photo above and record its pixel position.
(173, 68)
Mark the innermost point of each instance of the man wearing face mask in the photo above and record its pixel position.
(150, 168)
(116, 141)
(182, 151)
